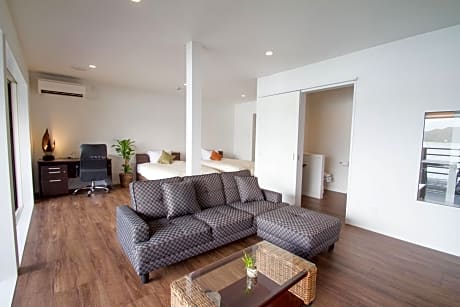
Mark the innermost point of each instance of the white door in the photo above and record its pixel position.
(277, 145)
(313, 175)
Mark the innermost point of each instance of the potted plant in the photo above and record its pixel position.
(250, 264)
(125, 149)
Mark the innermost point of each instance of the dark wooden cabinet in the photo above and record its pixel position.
(54, 180)
(54, 176)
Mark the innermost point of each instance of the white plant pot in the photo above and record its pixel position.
(252, 273)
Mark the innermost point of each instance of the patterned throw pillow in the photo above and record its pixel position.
(249, 189)
(180, 199)
(165, 158)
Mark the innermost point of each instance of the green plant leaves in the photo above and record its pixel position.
(125, 149)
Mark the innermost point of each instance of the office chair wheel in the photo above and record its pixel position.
(89, 193)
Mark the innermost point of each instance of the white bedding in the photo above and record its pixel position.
(229, 165)
(153, 171)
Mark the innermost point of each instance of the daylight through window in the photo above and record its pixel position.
(439, 167)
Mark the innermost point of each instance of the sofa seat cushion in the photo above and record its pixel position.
(209, 189)
(308, 231)
(232, 194)
(172, 236)
(225, 220)
(257, 207)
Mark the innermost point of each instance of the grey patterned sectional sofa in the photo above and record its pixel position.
(154, 235)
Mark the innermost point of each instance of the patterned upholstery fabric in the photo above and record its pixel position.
(249, 189)
(172, 236)
(230, 189)
(131, 229)
(180, 199)
(154, 264)
(132, 224)
(147, 197)
(309, 232)
(225, 220)
(151, 242)
(209, 189)
(257, 207)
(272, 196)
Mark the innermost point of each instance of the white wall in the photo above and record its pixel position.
(328, 132)
(242, 138)
(110, 112)
(9, 30)
(217, 127)
(397, 83)
(11, 57)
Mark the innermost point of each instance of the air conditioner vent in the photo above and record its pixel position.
(61, 88)
(61, 93)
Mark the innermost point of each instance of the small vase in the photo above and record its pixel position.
(251, 272)
(250, 284)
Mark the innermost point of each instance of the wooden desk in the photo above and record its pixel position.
(61, 176)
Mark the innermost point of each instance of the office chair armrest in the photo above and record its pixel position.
(131, 226)
(272, 196)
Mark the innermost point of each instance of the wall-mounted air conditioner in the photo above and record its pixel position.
(61, 88)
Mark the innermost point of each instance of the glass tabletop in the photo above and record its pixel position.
(226, 283)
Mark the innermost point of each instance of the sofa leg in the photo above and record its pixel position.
(331, 248)
(145, 278)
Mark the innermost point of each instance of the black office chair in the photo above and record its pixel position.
(93, 166)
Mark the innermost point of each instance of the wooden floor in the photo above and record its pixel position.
(72, 258)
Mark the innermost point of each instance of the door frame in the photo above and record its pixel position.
(305, 92)
(22, 148)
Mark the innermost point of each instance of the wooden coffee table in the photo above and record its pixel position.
(224, 283)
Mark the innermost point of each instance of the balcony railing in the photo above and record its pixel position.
(439, 175)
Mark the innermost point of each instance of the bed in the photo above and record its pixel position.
(145, 170)
(229, 165)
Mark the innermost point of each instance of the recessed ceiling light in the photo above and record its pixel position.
(136, 1)
(92, 66)
(243, 95)
(80, 68)
(269, 53)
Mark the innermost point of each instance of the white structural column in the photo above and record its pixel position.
(193, 108)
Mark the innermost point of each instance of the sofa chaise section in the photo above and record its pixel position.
(303, 232)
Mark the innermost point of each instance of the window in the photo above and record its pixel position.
(439, 166)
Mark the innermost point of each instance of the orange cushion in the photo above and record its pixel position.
(216, 156)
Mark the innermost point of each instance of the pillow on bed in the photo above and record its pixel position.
(216, 156)
(165, 158)
(154, 155)
(205, 154)
(249, 189)
(180, 199)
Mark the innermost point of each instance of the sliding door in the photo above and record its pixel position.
(277, 162)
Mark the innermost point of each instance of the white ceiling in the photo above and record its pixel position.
(142, 45)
